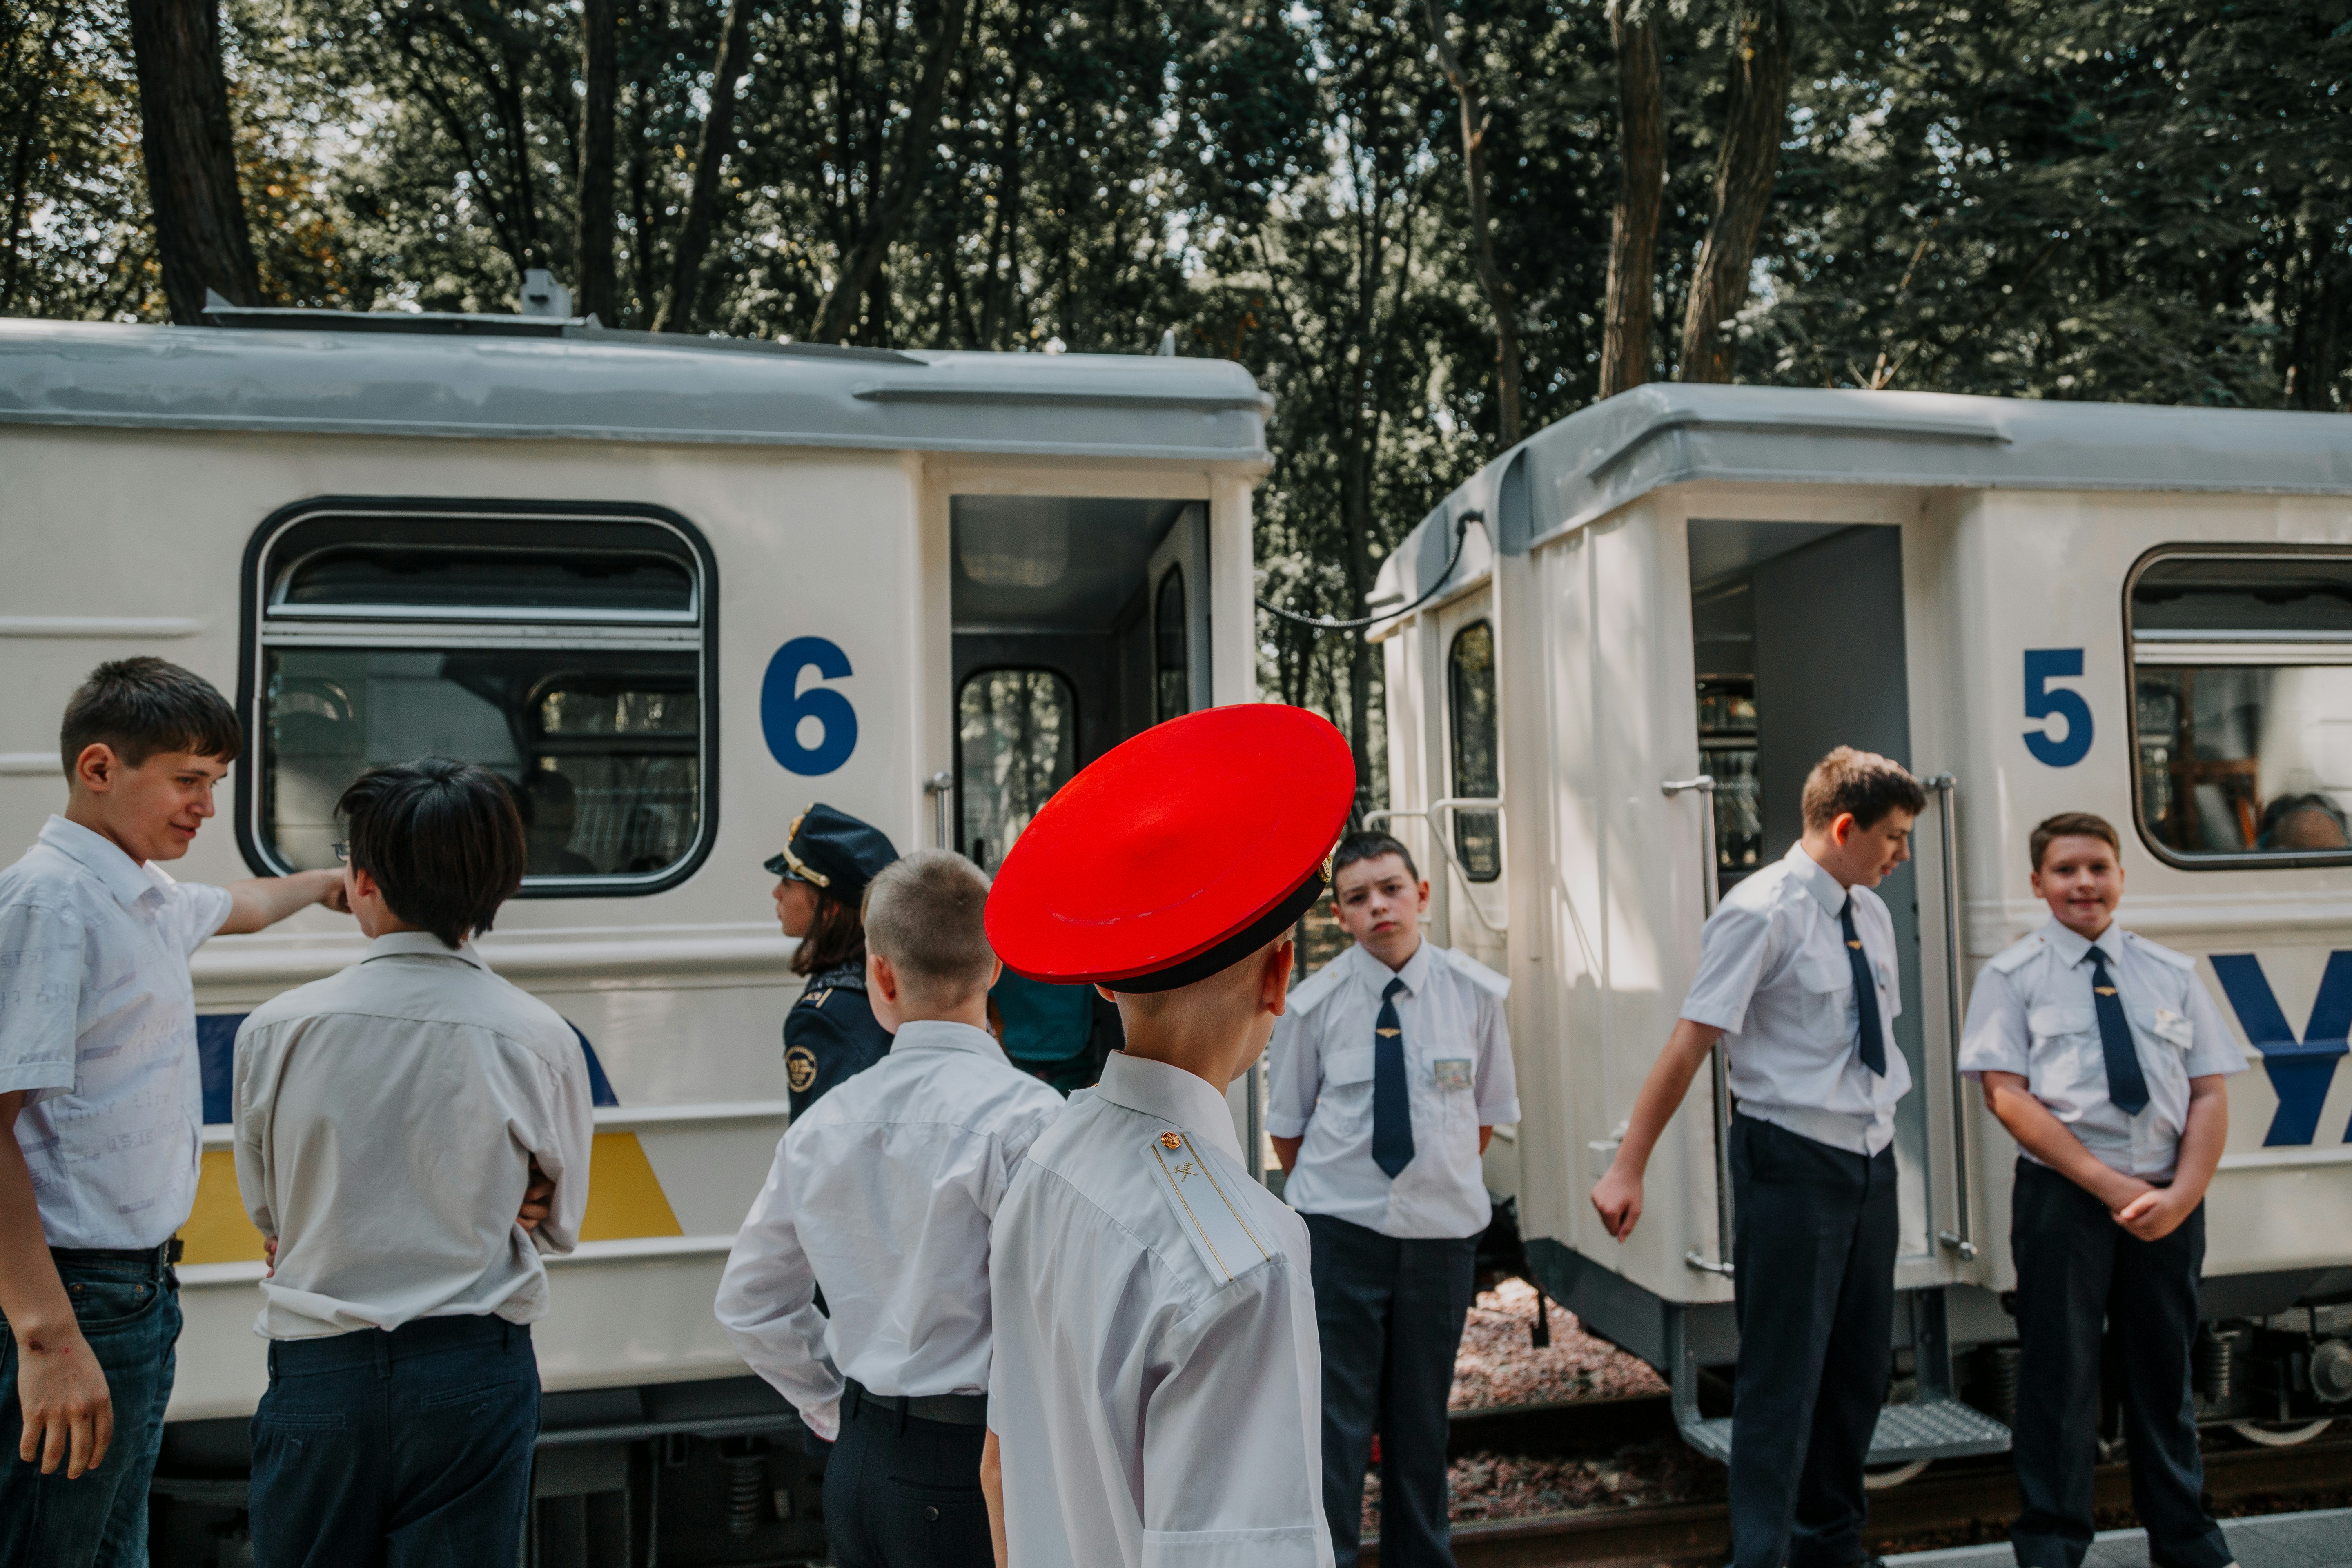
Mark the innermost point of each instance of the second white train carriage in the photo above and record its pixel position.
(1669, 606)
(674, 590)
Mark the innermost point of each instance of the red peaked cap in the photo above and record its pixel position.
(1176, 854)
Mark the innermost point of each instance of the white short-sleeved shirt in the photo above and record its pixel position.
(98, 1019)
(883, 1192)
(1458, 1079)
(1775, 977)
(387, 1117)
(1157, 1388)
(2033, 1014)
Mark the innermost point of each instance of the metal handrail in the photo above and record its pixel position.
(939, 786)
(1373, 819)
(1709, 891)
(1961, 1238)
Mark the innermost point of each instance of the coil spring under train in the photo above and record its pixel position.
(746, 1461)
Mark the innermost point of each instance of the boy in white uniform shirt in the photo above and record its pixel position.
(2105, 1056)
(1389, 1073)
(101, 1103)
(883, 1193)
(1796, 980)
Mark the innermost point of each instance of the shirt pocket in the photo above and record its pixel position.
(2066, 1057)
(2170, 1026)
(1828, 986)
(1344, 1104)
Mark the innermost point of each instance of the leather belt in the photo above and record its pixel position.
(158, 1257)
(952, 1409)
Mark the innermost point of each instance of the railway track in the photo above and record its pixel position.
(1956, 1500)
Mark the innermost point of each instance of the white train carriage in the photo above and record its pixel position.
(673, 590)
(1667, 606)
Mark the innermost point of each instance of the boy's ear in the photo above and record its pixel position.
(97, 768)
(1273, 981)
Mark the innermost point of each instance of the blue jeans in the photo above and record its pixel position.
(396, 1450)
(130, 1312)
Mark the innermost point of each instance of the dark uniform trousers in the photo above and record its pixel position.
(1813, 1291)
(2076, 1270)
(1389, 1313)
(903, 1491)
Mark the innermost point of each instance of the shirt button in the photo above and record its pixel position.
(931, 1510)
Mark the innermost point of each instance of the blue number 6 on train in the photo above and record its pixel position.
(784, 707)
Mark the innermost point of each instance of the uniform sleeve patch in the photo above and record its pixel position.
(1228, 1243)
(800, 1068)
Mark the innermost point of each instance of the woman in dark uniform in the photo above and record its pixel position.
(830, 1033)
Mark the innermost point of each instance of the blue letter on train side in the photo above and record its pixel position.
(2043, 665)
(2299, 1070)
(783, 706)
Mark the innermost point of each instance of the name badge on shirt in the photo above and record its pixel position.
(1453, 1073)
(1226, 1241)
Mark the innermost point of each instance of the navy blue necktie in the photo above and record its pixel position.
(2126, 1087)
(1392, 1107)
(1865, 993)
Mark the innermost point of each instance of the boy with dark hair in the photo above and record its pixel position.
(2105, 1056)
(1389, 1072)
(101, 1102)
(399, 1125)
(883, 1193)
(1796, 980)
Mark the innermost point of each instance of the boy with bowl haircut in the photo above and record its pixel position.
(1389, 1071)
(883, 1193)
(2105, 1056)
(397, 1127)
(101, 1102)
(1154, 1396)
(1797, 981)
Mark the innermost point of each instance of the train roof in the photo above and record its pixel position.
(516, 377)
(1595, 461)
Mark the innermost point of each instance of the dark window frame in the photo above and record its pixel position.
(253, 597)
(2224, 860)
(1453, 745)
(1077, 733)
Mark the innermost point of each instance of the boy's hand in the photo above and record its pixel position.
(2156, 1212)
(1617, 1198)
(537, 1198)
(269, 1251)
(68, 1413)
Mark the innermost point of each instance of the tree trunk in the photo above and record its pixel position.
(888, 209)
(190, 150)
(600, 70)
(1491, 280)
(1626, 341)
(702, 201)
(1754, 124)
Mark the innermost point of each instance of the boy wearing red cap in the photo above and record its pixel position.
(1155, 1389)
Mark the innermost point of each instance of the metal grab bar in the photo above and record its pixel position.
(1373, 819)
(1962, 1237)
(939, 786)
(1710, 891)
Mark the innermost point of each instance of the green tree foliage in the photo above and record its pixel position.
(2136, 199)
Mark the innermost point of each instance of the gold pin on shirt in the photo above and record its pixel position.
(1384, 1034)
(1857, 945)
(1171, 1141)
(2104, 990)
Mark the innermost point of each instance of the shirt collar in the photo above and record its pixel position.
(421, 944)
(2072, 947)
(1171, 1094)
(1376, 974)
(942, 1034)
(1809, 875)
(127, 879)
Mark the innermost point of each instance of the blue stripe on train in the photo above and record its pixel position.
(216, 1052)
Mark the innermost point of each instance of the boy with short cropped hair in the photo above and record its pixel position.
(396, 1124)
(1797, 981)
(101, 1102)
(1389, 1073)
(883, 1193)
(2105, 1056)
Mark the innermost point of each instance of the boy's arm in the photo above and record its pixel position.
(68, 1413)
(258, 902)
(2049, 1141)
(2157, 1213)
(1618, 1197)
(767, 1305)
(991, 1487)
(1294, 1076)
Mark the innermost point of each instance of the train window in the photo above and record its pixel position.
(1172, 658)
(2242, 711)
(568, 652)
(1016, 743)
(1477, 770)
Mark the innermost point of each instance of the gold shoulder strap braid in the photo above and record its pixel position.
(801, 869)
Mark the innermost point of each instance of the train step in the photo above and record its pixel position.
(1933, 1428)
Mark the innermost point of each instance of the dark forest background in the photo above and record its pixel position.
(1427, 226)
